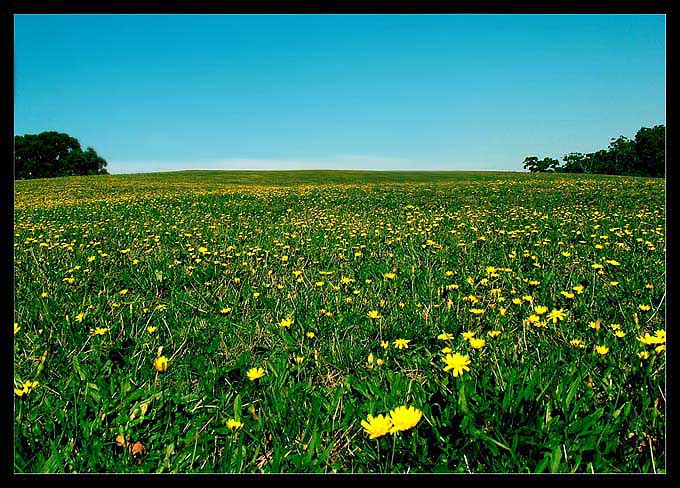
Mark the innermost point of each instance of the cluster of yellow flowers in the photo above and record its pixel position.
(399, 419)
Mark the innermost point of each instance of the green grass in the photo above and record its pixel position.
(193, 249)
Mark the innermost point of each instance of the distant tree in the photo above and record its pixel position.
(622, 156)
(531, 163)
(644, 156)
(51, 154)
(650, 149)
(535, 165)
(573, 163)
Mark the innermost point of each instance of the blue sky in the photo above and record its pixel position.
(433, 92)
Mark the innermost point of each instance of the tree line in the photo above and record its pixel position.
(51, 154)
(643, 156)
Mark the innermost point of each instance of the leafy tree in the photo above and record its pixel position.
(650, 149)
(644, 156)
(574, 162)
(51, 154)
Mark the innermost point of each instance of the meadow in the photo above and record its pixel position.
(340, 322)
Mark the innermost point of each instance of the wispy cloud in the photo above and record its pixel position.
(341, 162)
(351, 161)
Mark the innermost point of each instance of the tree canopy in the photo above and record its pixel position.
(51, 154)
(643, 156)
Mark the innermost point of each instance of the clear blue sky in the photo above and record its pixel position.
(436, 92)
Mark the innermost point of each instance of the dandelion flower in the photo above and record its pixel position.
(445, 336)
(402, 343)
(161, 364)
(374, 314)
(404, 418)
(601, 350)
(457, 362)
(233, 424)
(540, 310)
(255, 373)
(286, 323)
(376, 426)
(556, 315)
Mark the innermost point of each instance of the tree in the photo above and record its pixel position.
(650, 149)
(535, 165)
(574, 163)
(51, 154)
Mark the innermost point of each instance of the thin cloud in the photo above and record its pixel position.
(342, 162)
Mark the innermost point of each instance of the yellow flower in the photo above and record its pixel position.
(380, 362)
(16, 328)
(447, 350)
(477, 311)
(124, 291)
(652, 339)
(389, 276)
(601, 350)
(43, 294)
(660, 348)
(255, 373)
(477, 343)
(577, 343)
(161, 364)
(445, 336)
(402, 343)
(614, 283)
(404, 418)
(26, 388)
(660, 335)
(643, 355)
(620, 333)
(376, 426)
(299, 359)
(100, 331)
(493, 333)
(374, 314)
(310, 335)
(384, 344)
(79, 317)
(644, 308)
(457, 362)
(151, 329)
(225, 310)
(612, 262)
(578, 289)
(528, 298)
(540, 310)
(286, 323)
(567, 294)
(468, 335)
(233, 424)
(517, 301)
(556, 315)
(533, 318)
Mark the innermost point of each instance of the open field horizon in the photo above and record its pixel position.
(230, 321)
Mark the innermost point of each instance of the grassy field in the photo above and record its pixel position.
(277, 321)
